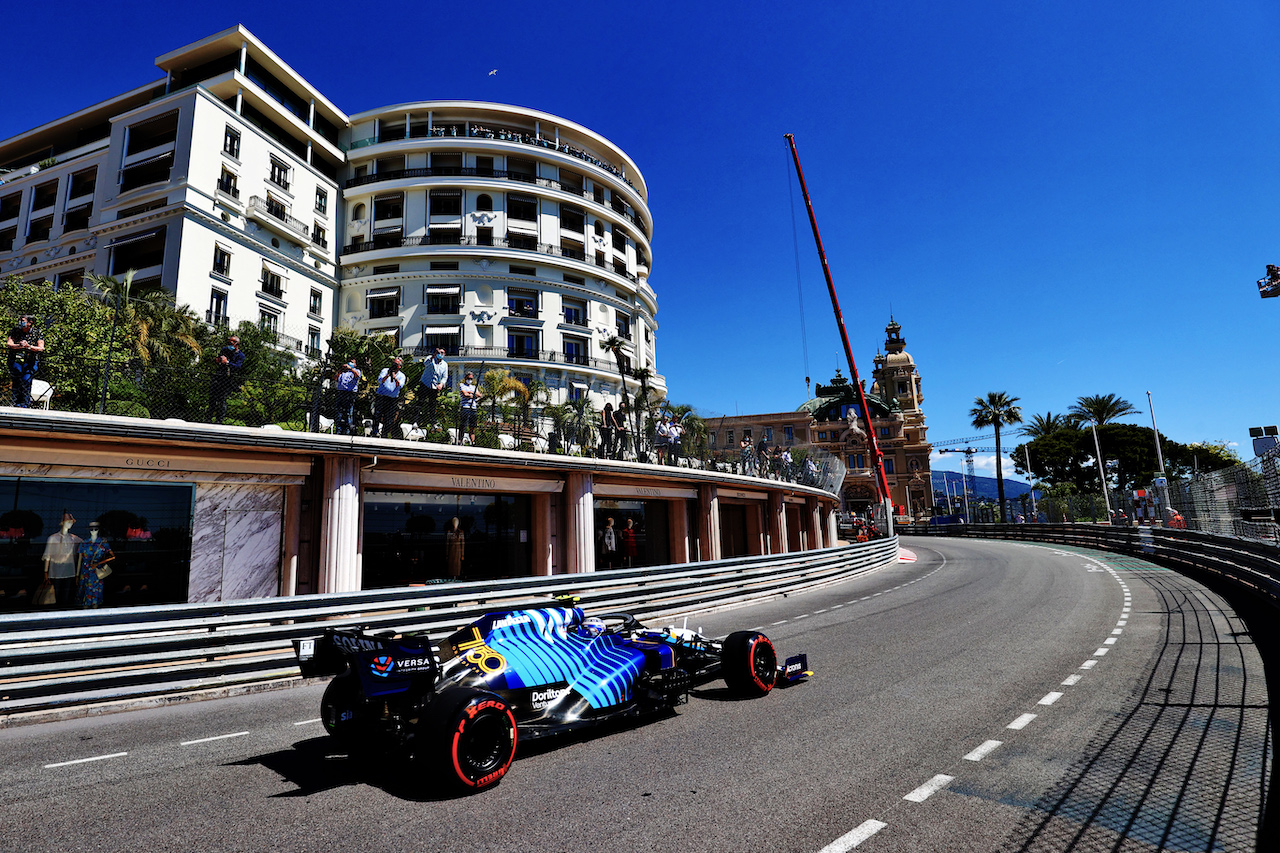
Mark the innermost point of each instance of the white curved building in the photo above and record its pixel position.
(510, 237)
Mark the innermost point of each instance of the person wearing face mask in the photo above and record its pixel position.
(348, 382)
(25, 344)
(435, 376)
(94, 555)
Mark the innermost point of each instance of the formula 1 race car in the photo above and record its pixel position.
(519, 673)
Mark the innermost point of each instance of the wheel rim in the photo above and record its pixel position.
(764, 663)
(484, 745)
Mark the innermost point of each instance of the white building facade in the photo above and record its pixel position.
(509, 237)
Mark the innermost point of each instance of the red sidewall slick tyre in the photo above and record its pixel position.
(475, 735)
(749, 663)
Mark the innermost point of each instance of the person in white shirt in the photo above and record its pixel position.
(468, 396)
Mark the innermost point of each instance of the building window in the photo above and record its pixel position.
(619, 239)
(515, 269)
(522, 207)
(221, 261)
(768, 434)
(572, 218)
(44, 195)
(315, 304)
(522, 344)
(888, 466)
(387, 269)
(39, 229)
(231, 142)
(522, 303)
(575, 279)
(520, 169)
(77, 218)
(884, 432)
(445, 266)
(449, 341)
(484, 201)
(10, 206)
(392, 332)
(138, 251)
(227, 183)
(728, 438)
(217, 315)
(269, 321)
(319, 237)
(446, 202)
(322, 200)
(152, 133)
(443, 299)
(575, 350)
(789, 435)
(711, 439)
(822, 436)
(279, 174)
(272, 283)
(313, 342)
(70, 278)
(575, 313)
(83, 183)
(623, 326)
(383, 302)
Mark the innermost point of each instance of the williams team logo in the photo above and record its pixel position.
(382, 665)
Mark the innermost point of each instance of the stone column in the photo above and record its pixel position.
(543, 534)
(580, 533)
(678, 528)
(777, 513)
(709, 523)
(833, 531)
(340, 525)
(815, 522)
(290, 540)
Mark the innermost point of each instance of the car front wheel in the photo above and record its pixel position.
(749, 663)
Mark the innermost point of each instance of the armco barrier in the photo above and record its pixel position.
(1251, 566)
(78, 658)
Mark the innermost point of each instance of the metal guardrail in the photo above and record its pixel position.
(63, 660)
(1251, 566)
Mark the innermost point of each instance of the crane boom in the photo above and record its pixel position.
(881, 480)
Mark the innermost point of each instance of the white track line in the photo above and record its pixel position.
(928, 789)
(215, 737)
(1021, 722)
(1072, 680)
(1050, 698)
(86, 760)
(854, 837)
(983, 751)
(307, 722)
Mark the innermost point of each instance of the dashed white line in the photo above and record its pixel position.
(307, 722)
(1089, 664)
(781, 622)
(215, 737)
(1109, 641)
(1050, 698)
(1101, 652)
(1072, 680)
(816, 612)
(983, 751)
(1122, 623)
(1021, 722)
(854, 837)
(836, 606)
(803, 616)
(928, 789)
(1118, 630)
(86, 760)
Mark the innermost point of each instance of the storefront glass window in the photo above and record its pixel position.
(409, 537)
(146, 526)
(645, 542)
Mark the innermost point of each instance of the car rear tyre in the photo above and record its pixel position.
(343, 710)
(749, 663)
(470, 737)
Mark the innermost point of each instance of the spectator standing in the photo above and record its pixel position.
(787, 471)
(25, 344)
(469, 395)
(662, 438)
(744, 455)
(227, 368)
(673, 442)
(348, 382)
(387, 398)
(608, 431)
(435, 376)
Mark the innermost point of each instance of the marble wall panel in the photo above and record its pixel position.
(235, 542)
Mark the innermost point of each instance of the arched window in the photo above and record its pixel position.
(358, 212)
(484, 202)
(599, 228)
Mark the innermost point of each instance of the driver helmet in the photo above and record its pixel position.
(592, 627)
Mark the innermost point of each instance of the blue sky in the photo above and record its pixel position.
(1053, 200)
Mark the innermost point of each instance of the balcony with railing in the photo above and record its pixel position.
(523, 244)
(218, 321)
(575, 190)
(475, 131)
(491, 355)
(273, 214)
(228, 188)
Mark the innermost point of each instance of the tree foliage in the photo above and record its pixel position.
(1102, 408)
(997, 410)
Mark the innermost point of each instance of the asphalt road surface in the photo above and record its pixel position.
(988, 696)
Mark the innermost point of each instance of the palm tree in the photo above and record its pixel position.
(995, 411)
(1102, 408)
(498, 385)
(615, 344)
(1042, 425)
(162, 330)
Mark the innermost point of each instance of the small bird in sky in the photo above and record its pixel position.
(493, 72)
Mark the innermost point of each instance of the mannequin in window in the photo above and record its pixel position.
(93, 553)
(61, 559)
(455, 546)
(628, 534)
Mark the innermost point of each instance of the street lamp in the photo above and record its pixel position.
(1102, 472)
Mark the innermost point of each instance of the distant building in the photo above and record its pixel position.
(832, 421)
(510, 237)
